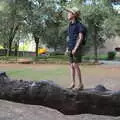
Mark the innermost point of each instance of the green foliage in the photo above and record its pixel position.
(11, 20)
(55, 28)
(111, 55)
(56, 53)
(45, 20)
(92, 57)
(111, 27)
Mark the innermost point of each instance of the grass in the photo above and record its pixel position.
(37, 74)
(91, 57)
(52, 58)
(57, 73)
(60, 74)
(44, 59)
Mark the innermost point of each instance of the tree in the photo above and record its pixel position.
(39, 15)
(44, 22)
(55, 35)
(35, 20)
(11, 19)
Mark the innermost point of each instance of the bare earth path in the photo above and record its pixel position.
(107, 75)
(16, 111)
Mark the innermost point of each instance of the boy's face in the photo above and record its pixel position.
(70, 16)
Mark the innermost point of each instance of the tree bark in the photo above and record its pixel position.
(10, 47)
(16, 49)
(97, 100)
(37, 44)
(36, 51)
(12, 35)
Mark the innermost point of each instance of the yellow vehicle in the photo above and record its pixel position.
(42, 51)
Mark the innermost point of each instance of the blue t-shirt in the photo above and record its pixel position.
(73, 32)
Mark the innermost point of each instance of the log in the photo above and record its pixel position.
(25, 61)
(98, 100)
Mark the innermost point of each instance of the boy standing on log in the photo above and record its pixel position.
(76, 33)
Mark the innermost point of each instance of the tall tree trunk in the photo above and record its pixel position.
(16, 49)
(95, 46)
(37, 44)
(10, 47)
(12, 35)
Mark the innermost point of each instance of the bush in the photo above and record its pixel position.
(40, 58)
(103, 57)
(111, 55)
(86, 58)
(56, 53)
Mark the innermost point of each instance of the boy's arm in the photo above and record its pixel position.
(80, 38)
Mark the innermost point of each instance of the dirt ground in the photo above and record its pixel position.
(16, 111)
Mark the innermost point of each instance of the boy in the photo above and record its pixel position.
(76, 35)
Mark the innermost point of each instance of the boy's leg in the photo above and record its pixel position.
(78, 59)
(77, 68)
(72, 69)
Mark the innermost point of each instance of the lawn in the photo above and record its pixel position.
(59, 59)
(37, 72)
(92, 75)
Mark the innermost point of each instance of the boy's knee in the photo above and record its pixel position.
(71, 65)
(75, 65)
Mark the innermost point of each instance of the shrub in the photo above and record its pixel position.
(56, 53)
(111, 55)
(103, 57)
(86, 58)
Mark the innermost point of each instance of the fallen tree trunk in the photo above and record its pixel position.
(97, 100)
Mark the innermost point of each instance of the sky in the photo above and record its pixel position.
(116, 6)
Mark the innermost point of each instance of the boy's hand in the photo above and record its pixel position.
(73, 51)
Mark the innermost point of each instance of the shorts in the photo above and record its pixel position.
(77, 57)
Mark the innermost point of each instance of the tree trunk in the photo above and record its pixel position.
(10, 47)
(16, 49)
(12, 35)
(37, 44)
(36, 51)
(97, 100)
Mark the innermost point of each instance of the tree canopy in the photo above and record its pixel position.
(46, 22)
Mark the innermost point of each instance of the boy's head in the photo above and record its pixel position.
(73, 13)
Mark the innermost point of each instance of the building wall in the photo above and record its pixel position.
(110, 45)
